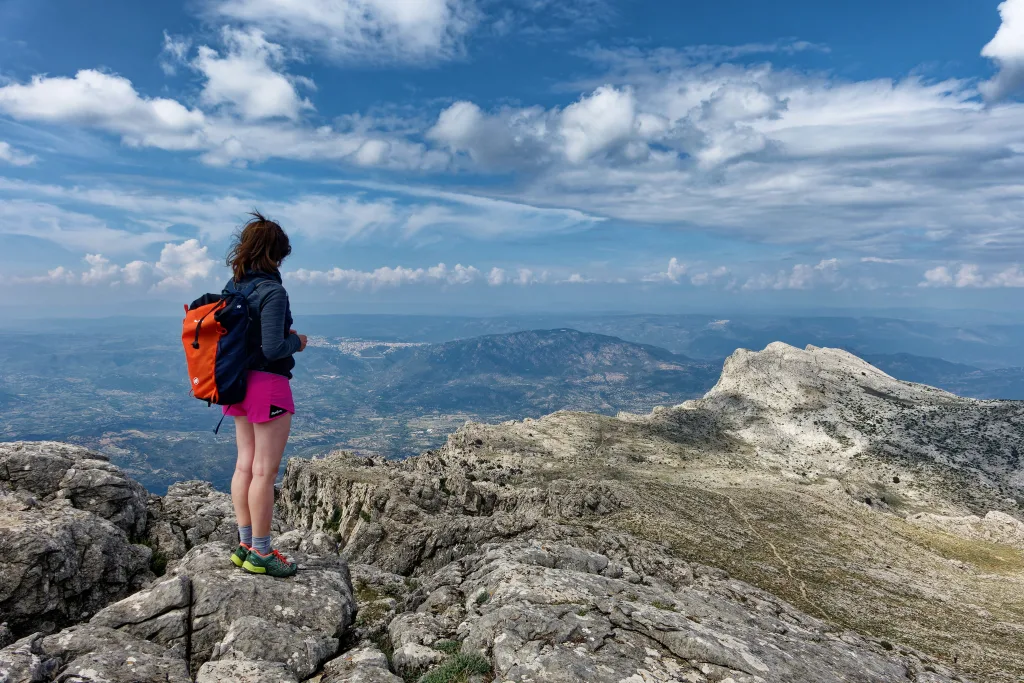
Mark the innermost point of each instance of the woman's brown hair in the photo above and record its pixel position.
(261, 244)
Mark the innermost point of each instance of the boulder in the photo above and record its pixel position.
(244, 671)
(191, 514)
(365, 664)
(300, 649)
(159, 614)
(55, 471)
(90, 654)
(212, 610)
(60, 564)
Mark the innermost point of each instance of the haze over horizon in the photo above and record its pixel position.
(449, 156)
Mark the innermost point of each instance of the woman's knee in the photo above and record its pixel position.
(244, 468)
(261, 470)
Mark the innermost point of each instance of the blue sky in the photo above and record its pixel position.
(479, 155)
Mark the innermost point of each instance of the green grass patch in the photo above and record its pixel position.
(449, 647)
(458, 669)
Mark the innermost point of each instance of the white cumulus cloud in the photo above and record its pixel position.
(801, 276)
(971, 275)
(673, 273)
(15, 157)
(180, 266)
(249, 77)
(1007, 50)
(105, 101)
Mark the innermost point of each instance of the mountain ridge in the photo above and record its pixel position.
(809, 519)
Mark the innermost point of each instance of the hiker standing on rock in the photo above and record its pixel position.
(263, 419)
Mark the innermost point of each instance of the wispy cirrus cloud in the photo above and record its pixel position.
(359, 30)
(357, 211)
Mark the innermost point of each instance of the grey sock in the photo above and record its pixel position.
(261, 544)
(245, 534)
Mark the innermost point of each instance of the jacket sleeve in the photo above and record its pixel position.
(273, 308)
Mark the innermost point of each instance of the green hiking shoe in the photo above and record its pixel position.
(275, 564)
(241, 552)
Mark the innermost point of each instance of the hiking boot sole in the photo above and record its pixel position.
(253, 569)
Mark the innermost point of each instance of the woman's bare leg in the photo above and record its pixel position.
(242, 478)
(271, 438)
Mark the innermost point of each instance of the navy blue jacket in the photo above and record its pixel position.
(271, 347)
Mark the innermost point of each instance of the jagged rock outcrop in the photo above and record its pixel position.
(994, 527)
(207, 610)
(51, 471)
(553, 612)
(365, 664)
(802, 473)
(67, 521)
(819, 412)
(428, 511)
(90, 654)
(579, 548)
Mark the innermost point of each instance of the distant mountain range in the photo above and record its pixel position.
(120, 388)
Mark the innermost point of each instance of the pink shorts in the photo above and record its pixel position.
(267, 396)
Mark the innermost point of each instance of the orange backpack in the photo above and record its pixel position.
(215, 335)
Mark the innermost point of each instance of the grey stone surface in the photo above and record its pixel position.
(56, 471)
(60, 564)
(210, 609)
(191, 514)
(244, 671)
(364, 664)
(89, 654)
(301, 650)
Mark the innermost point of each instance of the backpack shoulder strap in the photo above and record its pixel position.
(246, 291)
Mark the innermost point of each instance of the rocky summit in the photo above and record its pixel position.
(811, 519)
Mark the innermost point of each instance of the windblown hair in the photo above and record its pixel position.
(261, 244)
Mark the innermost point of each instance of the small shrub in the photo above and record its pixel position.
(364, 515)
(458, 669)
(158, 563)
(334, 523)
(663, 605)
(483, 597)
(383, 642)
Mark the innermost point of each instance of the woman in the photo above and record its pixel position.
(263, 419)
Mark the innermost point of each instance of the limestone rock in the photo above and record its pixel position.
(159, 614)
(300, 650)
(191, 514)
(551, 624)
(55, 471)
(211, 609)
(365, 664)
(412, 635)
(89, 654)
(6, 635)
(244, 671)
(994, 527)
(60, 564)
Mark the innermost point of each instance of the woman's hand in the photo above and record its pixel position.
(302, 340)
